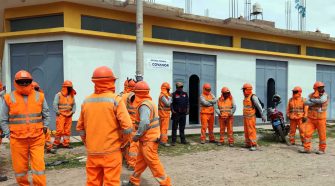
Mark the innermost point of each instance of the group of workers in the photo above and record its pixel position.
(131, 126)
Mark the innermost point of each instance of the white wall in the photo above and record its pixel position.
(82, 55)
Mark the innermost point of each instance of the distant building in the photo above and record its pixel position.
(59, 40)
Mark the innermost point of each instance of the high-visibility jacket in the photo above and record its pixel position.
(130, 108)
(65, 104)
(207, 109)
(296, 108)
(163, 110)
(248, 107)
(225, 106)
(102, 121)
(317, 111)
(152, 132)
(25, 117)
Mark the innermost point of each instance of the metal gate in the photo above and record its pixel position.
(45, 63)
(188, 68)
(271, 75)
(326, 74)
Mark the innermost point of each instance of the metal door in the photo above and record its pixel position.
(326, 74)
(269, 71)
(186, 65)
(45, 63)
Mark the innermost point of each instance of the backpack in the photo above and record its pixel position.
(258, 114)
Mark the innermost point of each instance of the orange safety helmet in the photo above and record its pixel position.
(141, 86)
(297, 88)
(125, 84)
(225, 90)
(318, 84)
(206, 86)
(165, 85)
(247, 86)
(22, 74)
(131, 83)
(103, 72)
(67, 83)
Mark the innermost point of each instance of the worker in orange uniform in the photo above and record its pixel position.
(297, 114)
(207, 102)
(24, 118)
(105, 127)
(65, 106)
(2, 93)
(226, 109)
(48, 143)
(164, 111)
(317, 114)
(148, 135)
(250, 104)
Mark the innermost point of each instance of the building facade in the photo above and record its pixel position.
(64, 40)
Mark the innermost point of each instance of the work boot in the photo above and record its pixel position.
(320, 152)
(202, 141)
(173, 143)
(127, 183)
(184, 142)
(231, 144)
(3, 178)
(220, 144)
(165, 144)
(304, 151)
(51, 151)
(212, 141)
(253, 148)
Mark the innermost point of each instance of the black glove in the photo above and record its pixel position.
(304, 119)
(45, 130)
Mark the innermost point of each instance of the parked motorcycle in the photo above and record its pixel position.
(277, 120)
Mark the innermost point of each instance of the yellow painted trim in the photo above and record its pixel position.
(105, 35)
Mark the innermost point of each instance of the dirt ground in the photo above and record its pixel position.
(272, 164)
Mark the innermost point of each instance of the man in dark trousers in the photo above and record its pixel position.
(179, 108)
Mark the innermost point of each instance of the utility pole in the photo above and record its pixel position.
(139, 40)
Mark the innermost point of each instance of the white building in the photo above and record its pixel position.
(66, 40)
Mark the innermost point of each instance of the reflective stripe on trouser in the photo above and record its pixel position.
(148, 157)
(207, 121)
(63, 129)
(104, 169)
(133, 153)
(226, 123)
(309, 128)
(294, 124)
(250, 131)
(164, 125)
(24, 150)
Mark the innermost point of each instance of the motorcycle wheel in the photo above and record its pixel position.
(282, 135)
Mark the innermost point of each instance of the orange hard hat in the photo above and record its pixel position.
(318, 84)
(165, 85)
(297, 88)
(131, 83)
(247, 86)
(126, 82)
(67, 83)
(206, 86)
(35, 84)
(22, 74)
(225, 90)
(141, 86)
(103, 72)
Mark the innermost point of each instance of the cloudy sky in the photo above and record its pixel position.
(320, 13)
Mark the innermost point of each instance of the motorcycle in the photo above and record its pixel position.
(277, 120)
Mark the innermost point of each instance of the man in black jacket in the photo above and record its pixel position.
(179, 108)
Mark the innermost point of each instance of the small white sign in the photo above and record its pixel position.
(159, 64)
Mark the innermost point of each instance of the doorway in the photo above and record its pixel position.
(194, 82)
(271, 91)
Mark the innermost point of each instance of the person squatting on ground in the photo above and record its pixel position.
(25, 119)
(297, 114)
(250, 104)
(148, 135)
(179, 109)
(2, 93)
(164, 111)
(316, 118)
(226, 108)
(105, 128)
(65, 106)
(207, 102)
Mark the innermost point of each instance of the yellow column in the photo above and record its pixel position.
(72, 16)
(237, 41)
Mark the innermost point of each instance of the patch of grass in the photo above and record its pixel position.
(70, 161)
